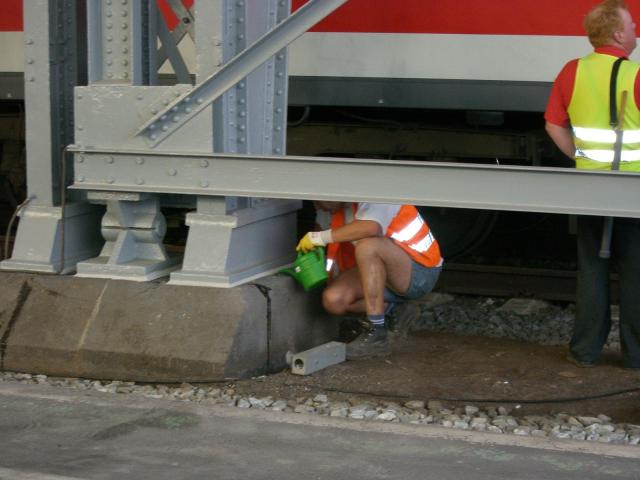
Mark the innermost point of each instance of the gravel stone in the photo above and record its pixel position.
(524, 319)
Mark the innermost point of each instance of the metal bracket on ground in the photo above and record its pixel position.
(314, 359)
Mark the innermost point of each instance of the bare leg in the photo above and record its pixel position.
(381, 263)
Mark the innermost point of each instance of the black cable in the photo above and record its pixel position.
(477, 400)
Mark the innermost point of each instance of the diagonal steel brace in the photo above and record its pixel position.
(178, 113)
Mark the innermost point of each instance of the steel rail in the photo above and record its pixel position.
(493, 187)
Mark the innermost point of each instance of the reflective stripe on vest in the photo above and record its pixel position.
(589, 113)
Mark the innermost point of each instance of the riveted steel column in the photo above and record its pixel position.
(53, 49)
(118, 41)
(234, 240)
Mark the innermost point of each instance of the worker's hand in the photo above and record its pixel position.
(314, 239)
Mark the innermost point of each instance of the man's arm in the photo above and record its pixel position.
(562, 137)
(356, 230)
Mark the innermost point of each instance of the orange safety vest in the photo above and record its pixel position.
(407, 229)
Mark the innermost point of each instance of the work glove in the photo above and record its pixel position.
(314, 239)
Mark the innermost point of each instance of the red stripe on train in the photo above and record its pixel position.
(11, 16)
(487, 17)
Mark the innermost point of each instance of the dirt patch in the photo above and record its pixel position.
(461, 370)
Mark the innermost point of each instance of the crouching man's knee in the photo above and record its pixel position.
(369, 247)
(335, 301)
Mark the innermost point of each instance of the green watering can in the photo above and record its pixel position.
(309, 269)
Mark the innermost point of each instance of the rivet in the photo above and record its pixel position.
(172, 172)
(279, 110)
(199, 101)
(163, 118)
(109, 25)
(125, 38)
(139, 160)
(140, 97)
(152, 126)
(241, 85)
(109, 159)
(204, 163)
(139, 181)
(80, 127)
(80, 158)
(242, 140)
(81, 178)
(165, 128)
(280, 92)
(278, 128)
(176, 119)
(187, 110)
(30, 41)
(125, 62)
(278, 150)
(243, 114)
(111, 180)
(79, 97)
(174, 109)
(154, 110)
(242, 128)
(204, 184)
(32, 79)
(30, 61)
(153, 136)
(124, 26)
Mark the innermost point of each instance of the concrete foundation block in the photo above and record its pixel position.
(112, 329)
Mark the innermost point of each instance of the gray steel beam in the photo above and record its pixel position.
(184, 108)
(554, 190)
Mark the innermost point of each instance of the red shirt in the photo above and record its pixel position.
(562, 89)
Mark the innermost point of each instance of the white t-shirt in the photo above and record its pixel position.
(382, 213)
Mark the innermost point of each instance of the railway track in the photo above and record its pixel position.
(501, 281)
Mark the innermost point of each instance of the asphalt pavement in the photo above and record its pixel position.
(49, 433)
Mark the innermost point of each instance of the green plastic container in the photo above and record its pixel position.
(309, 269)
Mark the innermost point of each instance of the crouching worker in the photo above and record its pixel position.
(377, 255)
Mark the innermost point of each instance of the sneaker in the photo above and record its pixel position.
(370, 343)
(579, 363)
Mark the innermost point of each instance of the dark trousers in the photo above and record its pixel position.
(593, 319)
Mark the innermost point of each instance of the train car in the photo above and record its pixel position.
(423, 79)
(459, 54)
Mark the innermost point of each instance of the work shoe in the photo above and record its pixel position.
(370, 343)
(579, 363)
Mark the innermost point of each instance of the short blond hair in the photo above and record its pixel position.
(603, 21)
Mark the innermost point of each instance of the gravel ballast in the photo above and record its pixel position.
(530, 320)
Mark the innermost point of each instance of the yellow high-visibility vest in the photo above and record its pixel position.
(594, 136)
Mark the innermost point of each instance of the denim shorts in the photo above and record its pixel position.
(423, 279)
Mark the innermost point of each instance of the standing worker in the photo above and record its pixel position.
(582, 120)
(377, 255)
